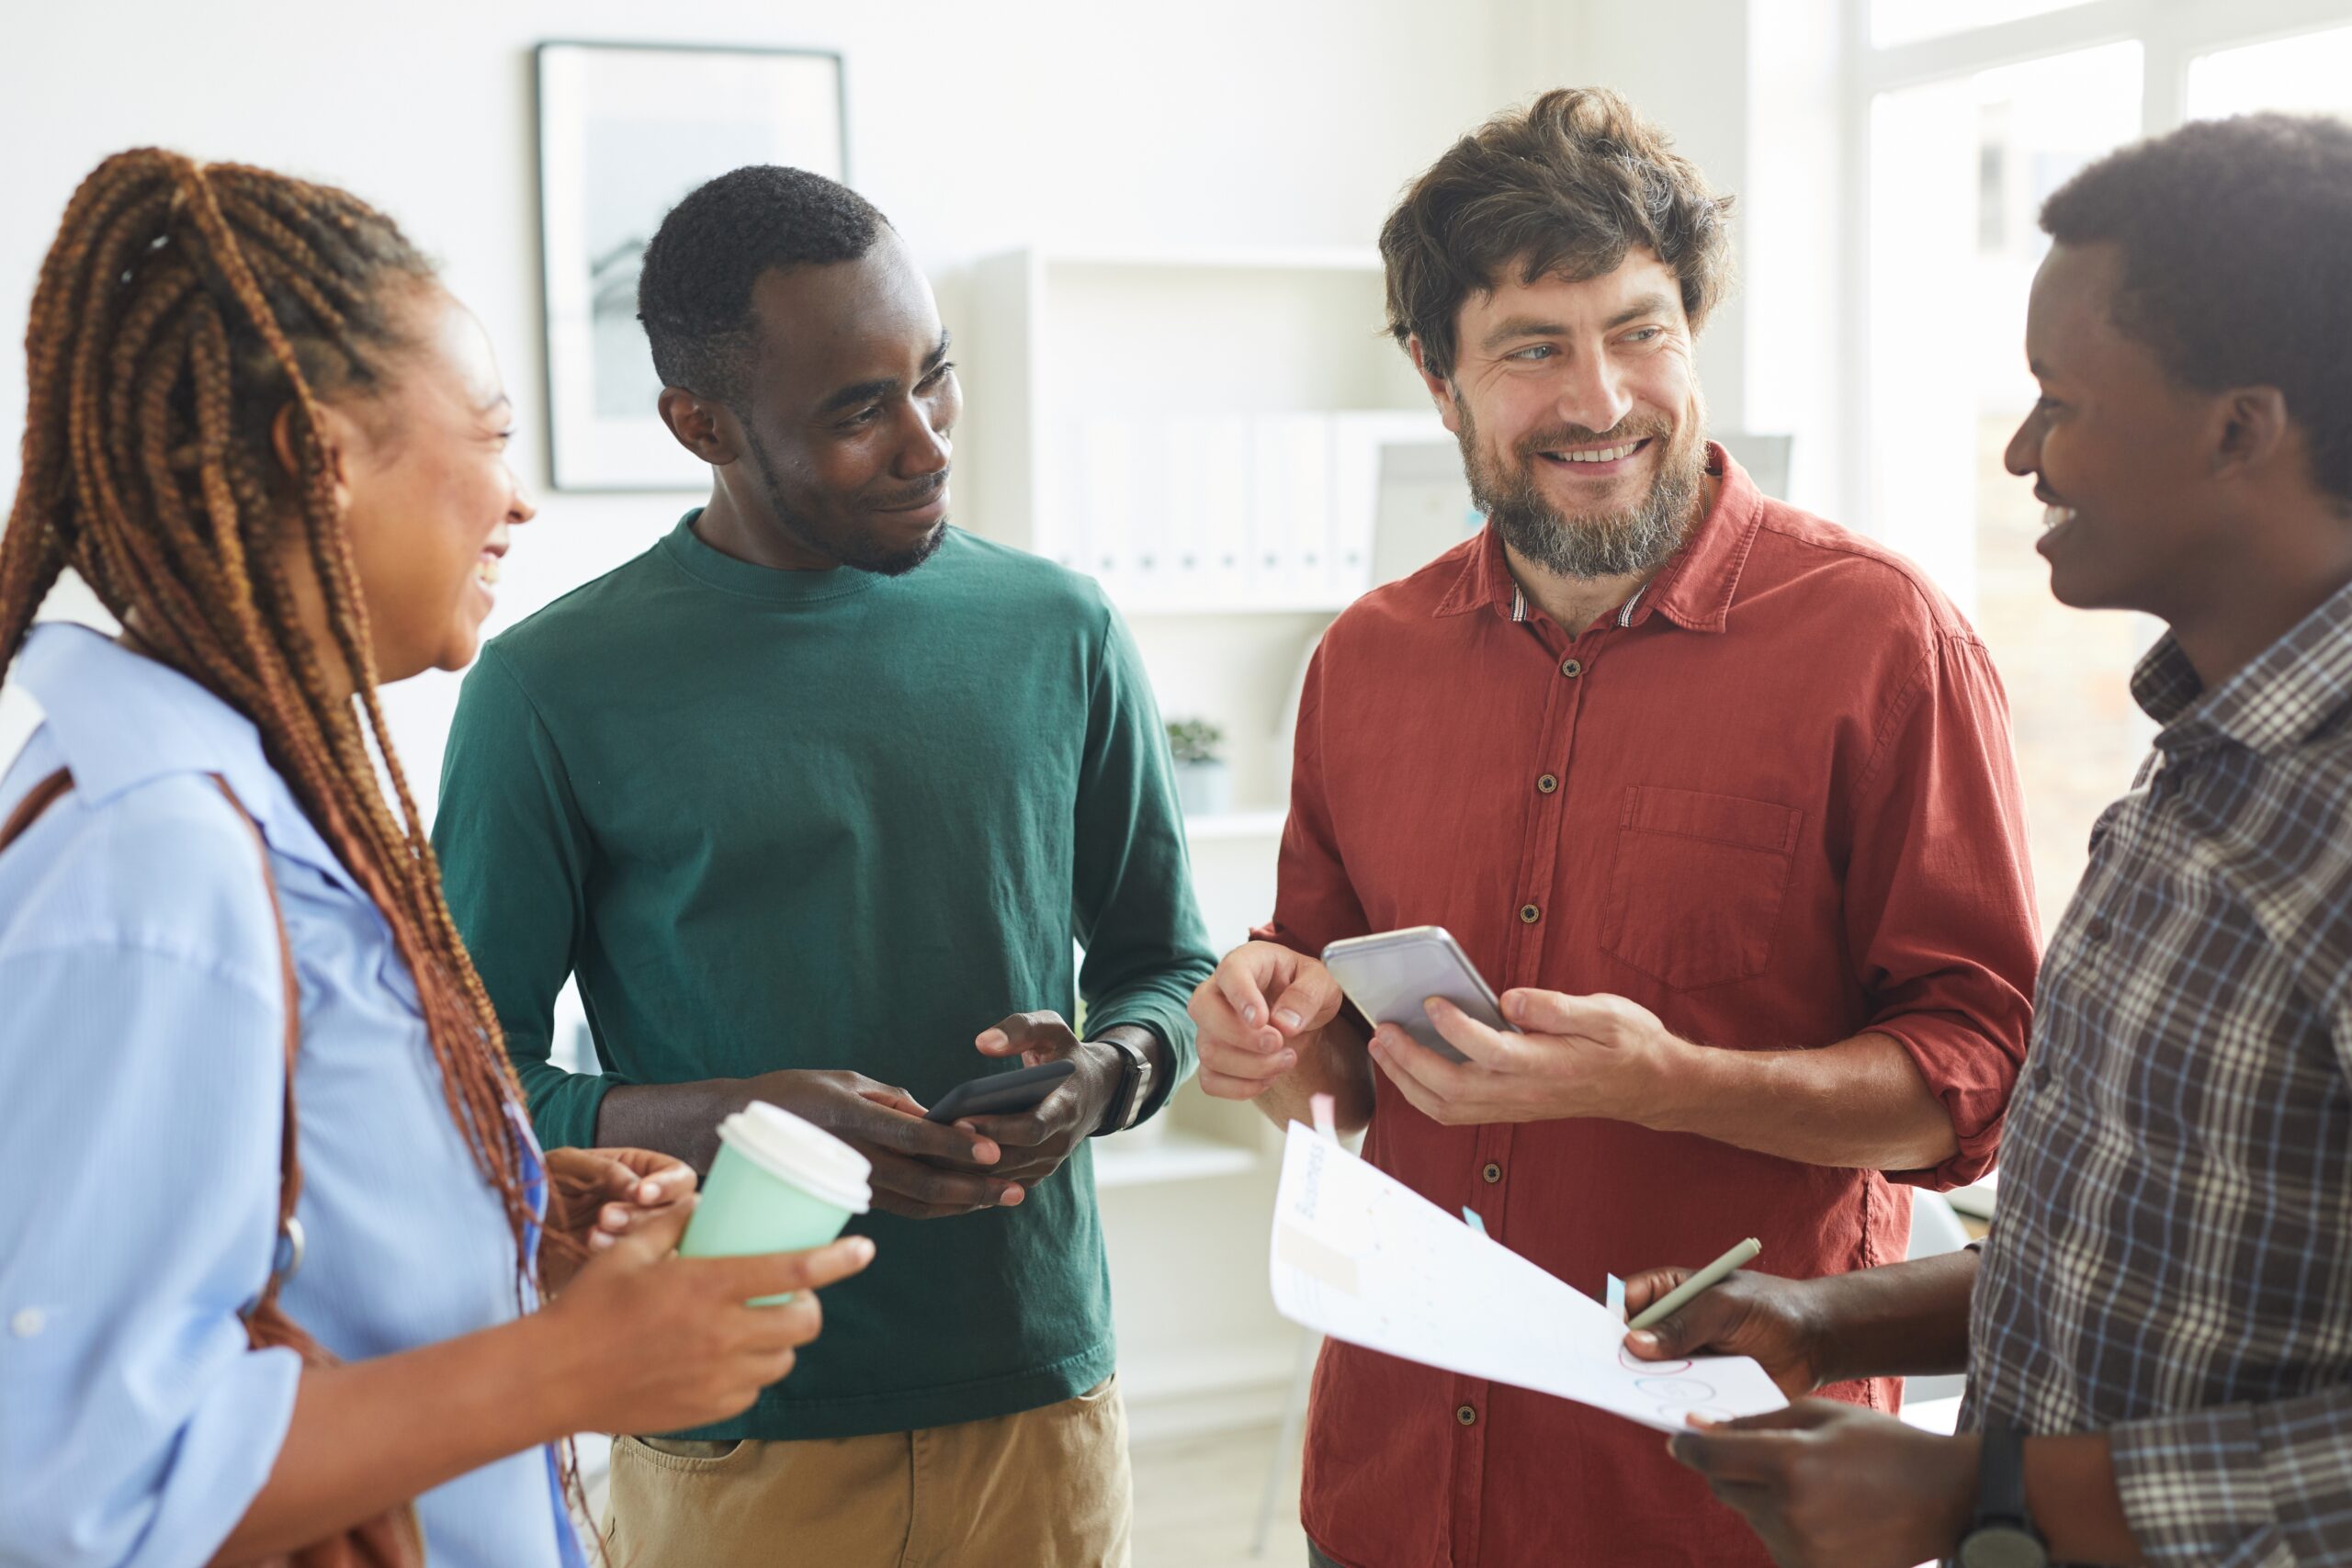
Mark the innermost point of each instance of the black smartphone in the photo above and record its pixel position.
(1000, 1094)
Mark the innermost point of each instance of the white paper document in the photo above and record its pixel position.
(1359, 1256)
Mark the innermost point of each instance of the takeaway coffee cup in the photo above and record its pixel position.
(780, 1183)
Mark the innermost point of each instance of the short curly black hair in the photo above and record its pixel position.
(1566, 188)
(693, 294)
(2233, 236)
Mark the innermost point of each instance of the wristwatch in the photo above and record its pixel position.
(1135, 1088)
(2002, 1534)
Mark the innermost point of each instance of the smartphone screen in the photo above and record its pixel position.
(1390, 975)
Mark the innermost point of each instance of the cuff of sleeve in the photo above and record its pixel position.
(226, 1451)
(1971, 1078)
(1140, 1014)
(564, 1106)
(2195, 1488)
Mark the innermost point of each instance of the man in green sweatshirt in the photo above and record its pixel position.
(814, 798)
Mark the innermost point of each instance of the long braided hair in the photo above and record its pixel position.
(181, 307)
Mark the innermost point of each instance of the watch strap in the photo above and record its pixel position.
(1133, 1093)
(2001, 1534)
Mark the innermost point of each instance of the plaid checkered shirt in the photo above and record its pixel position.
(2171, 1262)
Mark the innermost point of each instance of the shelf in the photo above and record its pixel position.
(1303, 258)
(1236, 825)
(1172, 1157)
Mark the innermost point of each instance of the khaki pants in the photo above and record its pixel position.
(1044, 1489)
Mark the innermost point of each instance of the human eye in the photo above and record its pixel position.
(1535, 353)
(940, 373)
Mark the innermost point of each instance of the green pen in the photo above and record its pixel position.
(1674, 1300)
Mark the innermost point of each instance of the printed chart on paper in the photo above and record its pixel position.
(1360, 1257)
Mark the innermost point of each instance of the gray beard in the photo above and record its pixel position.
(1591, 544)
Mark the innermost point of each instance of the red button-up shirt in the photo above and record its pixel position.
(1772, 800)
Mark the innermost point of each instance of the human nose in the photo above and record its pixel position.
(1593, 393)
(927, 449)
(2022, 457)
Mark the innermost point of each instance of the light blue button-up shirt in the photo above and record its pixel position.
(142, 1082)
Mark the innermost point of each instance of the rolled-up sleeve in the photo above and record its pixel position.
(2267, 1482)
(1940, 896)
(140, 1093)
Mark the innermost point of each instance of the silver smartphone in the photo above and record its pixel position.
(1390, 975)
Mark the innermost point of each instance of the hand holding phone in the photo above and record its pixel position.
(1391, 975)
(1001, 1094)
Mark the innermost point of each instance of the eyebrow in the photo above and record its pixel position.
(858, 393)
(1536, 326)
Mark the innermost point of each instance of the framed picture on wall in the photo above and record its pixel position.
(625, 131)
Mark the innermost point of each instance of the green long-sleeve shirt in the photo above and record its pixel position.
(831, 819)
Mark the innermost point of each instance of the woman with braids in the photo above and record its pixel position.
(280, 1272)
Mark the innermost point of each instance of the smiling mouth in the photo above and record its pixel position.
(1573, 455)
(2055, 517)
(486, 572)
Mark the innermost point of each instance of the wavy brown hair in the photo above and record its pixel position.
(1564, 188)
(181, 311)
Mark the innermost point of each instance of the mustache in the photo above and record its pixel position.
(1565, 435)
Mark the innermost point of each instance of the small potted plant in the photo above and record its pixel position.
(1204, 782)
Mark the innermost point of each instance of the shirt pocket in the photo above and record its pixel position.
(1695, 889)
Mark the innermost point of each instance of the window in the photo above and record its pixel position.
(1902, 21)
(1964, 140)
(2310, 74)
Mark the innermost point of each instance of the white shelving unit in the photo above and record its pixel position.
(1279, 341)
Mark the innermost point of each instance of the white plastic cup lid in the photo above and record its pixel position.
(795, 1149)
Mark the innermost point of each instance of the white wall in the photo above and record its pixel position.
(976, 127)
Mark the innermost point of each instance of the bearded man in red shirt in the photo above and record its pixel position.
(1720, 795)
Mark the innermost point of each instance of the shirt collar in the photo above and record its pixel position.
(121, 720)
(2282, 697)
(1695, 590)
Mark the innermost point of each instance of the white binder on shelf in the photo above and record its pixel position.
(1291, 519)
(1226, 495)
(1108, 485)
(1184, 570)
(1146, 572)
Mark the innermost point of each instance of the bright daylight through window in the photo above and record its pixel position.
(1959, 164)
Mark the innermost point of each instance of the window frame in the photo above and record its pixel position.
(2171, 33)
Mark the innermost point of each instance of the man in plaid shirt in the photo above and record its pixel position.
(2158, 1331)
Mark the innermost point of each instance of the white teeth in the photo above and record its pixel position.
(2054, 516)
(486, 572)
(1605, 455)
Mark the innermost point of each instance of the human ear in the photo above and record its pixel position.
(700, 426)
(335, 432)
(1440, 388)
(2254, 427)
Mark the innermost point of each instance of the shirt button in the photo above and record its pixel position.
(1493, 1173)
(1530, 914)
(27, 1323)
(1467, 1415)
(2096, 931)
(1571, 667)
(1548, 783)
